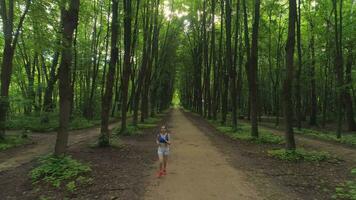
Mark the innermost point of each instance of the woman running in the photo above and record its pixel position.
(163, 142)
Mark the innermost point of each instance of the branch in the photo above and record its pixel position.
(19, 26)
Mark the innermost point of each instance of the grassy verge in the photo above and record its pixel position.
(243, 132)
(13, 141)
(329, 136)
(61, 172)
(299, 155)
(347, 190)
(151, 122)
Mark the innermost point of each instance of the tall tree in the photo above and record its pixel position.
(253, 71)
(104, 139)
(229, 64)
(69, 22)
(288, 81)
(127, 63)
(11, 37)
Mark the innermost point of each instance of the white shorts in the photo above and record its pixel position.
(163, 151)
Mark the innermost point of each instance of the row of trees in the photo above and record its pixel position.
(244, 62)
(97, 59)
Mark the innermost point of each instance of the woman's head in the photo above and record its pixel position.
(163, 129)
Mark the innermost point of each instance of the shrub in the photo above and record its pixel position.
(12, 141)
(56, 170)
(299, 155)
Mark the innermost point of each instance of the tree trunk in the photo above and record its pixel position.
(127, 63)
(253, 70)
(104, 139)
(69, 19)
(229, 64)
(313, 98)
(288, 82)
(351, 125)
(299, 70)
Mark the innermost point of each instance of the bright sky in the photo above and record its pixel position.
(169, 13)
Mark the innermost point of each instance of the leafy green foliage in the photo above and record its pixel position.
(347, 190)
(349, 139)
(57, 170)
(299, 155)
(12, 141)
(130, 130)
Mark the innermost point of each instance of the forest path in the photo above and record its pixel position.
(44, 144)
(197, 169)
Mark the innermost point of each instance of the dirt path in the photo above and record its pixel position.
(44, 144)
(198, 170)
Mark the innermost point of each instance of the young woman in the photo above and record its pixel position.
(163, 142)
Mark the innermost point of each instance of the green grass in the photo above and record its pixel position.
(347, 190)
(243, 132)
(329, 136)
(299, 155)
(61, 171)
(12, 141)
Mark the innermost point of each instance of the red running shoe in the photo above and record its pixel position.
(159, 174)
(164, 172)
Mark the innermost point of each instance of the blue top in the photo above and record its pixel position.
(163, 138)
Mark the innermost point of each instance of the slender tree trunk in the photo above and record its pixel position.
(299, 70)
(351, 125)
(104, 139)
(338, 62)
(127, 63)
(253, 70)
(288, 82)
(224, 73)
(313, 97)
(229, 64)
(213, 63)
(69, 19)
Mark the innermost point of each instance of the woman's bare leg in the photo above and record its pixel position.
(165, 159)
(161, 161)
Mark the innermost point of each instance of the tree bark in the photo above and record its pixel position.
(253, 71)
(69, 19)
(127, 63)
(288, 82)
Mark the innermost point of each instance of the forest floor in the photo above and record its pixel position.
(42, 144)
(341, 151)
(204, 164)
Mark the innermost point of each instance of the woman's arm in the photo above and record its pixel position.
(157, 140)
(169, 139)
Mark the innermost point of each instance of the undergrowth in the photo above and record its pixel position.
(349, 139)
(347, 190)
(299, 155)
(62, 171)
(243, 132)
(11, 141)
